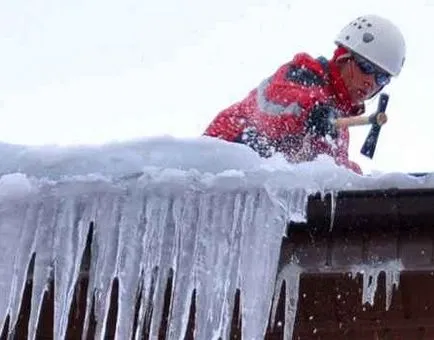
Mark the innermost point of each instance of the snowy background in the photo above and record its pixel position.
(88, 72)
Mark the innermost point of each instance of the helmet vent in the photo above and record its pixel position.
(361, 23)
(367, 37)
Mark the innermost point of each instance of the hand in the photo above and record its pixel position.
(378, 118)
(382, 118)
(322, 121)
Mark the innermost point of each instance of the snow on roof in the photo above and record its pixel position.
(160, 203)
(204, 160)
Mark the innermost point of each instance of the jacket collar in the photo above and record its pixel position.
(335, 85)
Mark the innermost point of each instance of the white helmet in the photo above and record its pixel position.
(377, 40)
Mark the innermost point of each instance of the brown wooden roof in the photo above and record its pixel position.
(367, 227)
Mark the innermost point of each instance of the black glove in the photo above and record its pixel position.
(321, 121)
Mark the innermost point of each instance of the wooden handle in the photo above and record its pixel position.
(352, 121)
(364, 120)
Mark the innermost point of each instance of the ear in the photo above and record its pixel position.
(343, 59)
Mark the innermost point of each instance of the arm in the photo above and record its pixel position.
(228, 124)
(379, 119)
(342, 152)
(323, 120)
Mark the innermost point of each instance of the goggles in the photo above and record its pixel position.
(382, 78)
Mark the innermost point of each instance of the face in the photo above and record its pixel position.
(362, 78)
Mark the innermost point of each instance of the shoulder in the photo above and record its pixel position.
(306, 70)
(305, 60)
(301, 80)
(303, 70)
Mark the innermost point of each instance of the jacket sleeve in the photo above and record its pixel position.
(342, 152)
(228, 124)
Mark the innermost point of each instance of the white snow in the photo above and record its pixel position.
(211, 211)
(14, 185)
(197, 157)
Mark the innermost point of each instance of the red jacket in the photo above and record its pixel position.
(274, 117)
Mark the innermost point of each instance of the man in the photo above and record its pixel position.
(299, 109)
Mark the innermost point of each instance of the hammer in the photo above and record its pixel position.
(368, 147)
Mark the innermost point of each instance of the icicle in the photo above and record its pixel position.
(333, 199)
(370, 283)
(186, 218)
(370, 274)
(209, 241)
(108, 206)
(216, 262)
(23, 255)
(131, 231)
(277, 290)
(263, 227)
(151, 244)
(12, 224)
(370, 279)
(233, 217)
(145, 310)
(71, 233)
(290, 274)
(295, 204)
(393, 274)
(160, 253)
(44, 241)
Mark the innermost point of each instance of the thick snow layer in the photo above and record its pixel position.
(212, 212)
(204, 158)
